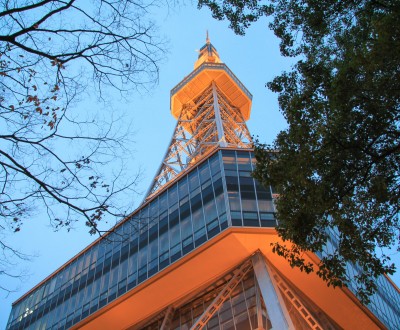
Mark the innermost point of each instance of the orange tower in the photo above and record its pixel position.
(197, 253)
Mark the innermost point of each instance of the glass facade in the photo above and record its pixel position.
(385, 302)
(216, 194)
(213, 196)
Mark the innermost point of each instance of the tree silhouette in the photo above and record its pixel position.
(51, 157)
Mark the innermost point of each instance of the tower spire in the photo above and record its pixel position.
(207, 53)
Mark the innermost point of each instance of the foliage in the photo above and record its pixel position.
(53, 158)
(338, 165)
(240, 14)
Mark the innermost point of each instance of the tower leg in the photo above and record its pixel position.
(276, 308)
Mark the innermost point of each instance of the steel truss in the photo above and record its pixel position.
(295, 301)
(207, 122)
(225, 293)
(169, 314)
(272, 287)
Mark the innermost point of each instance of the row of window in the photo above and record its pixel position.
(180, 219)
(385, 302)
(250, 203)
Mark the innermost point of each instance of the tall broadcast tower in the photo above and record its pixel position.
(197, 253)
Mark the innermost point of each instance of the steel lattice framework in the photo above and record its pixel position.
(284, 305)
(209, 121)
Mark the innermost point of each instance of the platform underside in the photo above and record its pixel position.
(281, 294)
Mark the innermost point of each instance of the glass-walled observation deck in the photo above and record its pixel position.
(216, 194)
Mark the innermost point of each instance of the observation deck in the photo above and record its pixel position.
(199, 79)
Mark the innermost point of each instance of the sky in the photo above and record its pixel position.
(254, 59)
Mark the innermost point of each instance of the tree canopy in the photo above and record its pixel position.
(336, 167)
(54, 159)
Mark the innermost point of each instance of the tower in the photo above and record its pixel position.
(196, 254)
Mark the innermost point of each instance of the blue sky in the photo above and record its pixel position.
(255, 60)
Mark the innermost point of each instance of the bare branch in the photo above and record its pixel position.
(54, 160)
